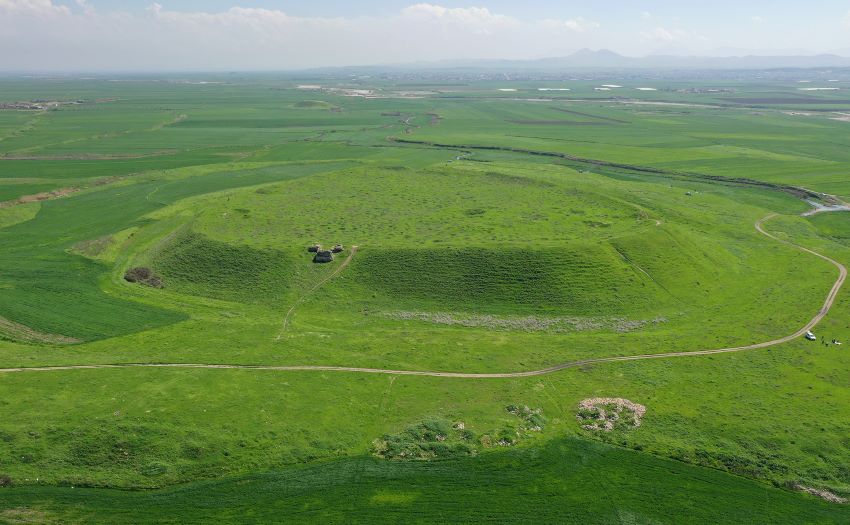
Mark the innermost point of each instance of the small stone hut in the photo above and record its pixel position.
(323, 256)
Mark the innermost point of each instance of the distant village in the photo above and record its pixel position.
(39, 105)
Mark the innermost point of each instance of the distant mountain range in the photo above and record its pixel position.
(606, 59)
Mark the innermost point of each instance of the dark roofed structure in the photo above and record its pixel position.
(323, 256)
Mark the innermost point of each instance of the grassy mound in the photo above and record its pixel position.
(196, 265)
(579, 279)
(438, 207)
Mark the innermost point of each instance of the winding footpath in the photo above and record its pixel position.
(318, 285)
(759, 225)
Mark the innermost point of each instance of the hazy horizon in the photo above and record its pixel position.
(262, 35)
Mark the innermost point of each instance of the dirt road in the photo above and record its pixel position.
(759, 225)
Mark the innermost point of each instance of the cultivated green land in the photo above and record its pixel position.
(496, 233)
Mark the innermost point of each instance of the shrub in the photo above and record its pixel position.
(135, 275)
(588, 413)
(193, 451)
(5, 480)
(536, 421)
(507, 437)
(144, 276)
(532, 417)
(433, 438)
(154, 469)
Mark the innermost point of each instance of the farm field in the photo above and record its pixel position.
(524, 311)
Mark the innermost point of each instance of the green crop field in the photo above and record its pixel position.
(548, 307)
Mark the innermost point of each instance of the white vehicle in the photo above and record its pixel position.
(810, 336)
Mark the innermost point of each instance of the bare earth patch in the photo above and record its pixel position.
(91, 156)
(558, 123)
(607, 413)
(43, 196)
(526, 323)
(19, 332)
(24, 515)
(823, 494)
(55, 194)
(176, 120)
(93, 247)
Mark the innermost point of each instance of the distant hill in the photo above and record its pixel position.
(605, 59)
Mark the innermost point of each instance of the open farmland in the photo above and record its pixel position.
(505, 255)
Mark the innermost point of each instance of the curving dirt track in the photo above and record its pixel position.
(318, 285)
(759, 225)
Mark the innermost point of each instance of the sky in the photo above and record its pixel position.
(230, 35)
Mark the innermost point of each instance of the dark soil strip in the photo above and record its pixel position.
(793, 190)
(788, 101)
(558, 123)
(589, 115)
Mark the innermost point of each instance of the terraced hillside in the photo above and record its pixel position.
(163, 326)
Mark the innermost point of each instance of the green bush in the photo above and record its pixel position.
(154, 469)
(144, 276)
(433, 438)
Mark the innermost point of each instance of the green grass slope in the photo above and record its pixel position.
(441, 206)
(579, 278)
(50, 289)
(193, 264)
(570, 481)
(467, 260)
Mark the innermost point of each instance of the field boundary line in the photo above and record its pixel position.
(759, 226)
(793, 190)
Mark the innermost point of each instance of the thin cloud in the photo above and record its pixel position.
(255, 38)
(579, 25)
(661, 34)
(33, 8)
(74, 35)
(464, 15)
